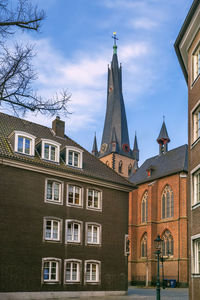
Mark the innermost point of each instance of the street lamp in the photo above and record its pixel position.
(157, 243)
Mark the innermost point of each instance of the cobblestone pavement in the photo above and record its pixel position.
(143, 294)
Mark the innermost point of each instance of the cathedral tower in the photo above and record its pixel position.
(115, 148)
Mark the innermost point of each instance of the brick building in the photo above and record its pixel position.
(187, 47)
(57, 204)
(115, 149)
(159, 207)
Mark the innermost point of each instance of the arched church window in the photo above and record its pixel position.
(144, 207)
(129, 170)
(167, 243)
(144, 245)
(107, 163)
(167, 202)
(120, 166)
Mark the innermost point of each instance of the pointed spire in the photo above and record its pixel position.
(94, 148)
(136, 149)
(163, 138)
(115, 112)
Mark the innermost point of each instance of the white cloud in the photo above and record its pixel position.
(143, 23)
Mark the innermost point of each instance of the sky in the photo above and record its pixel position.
(74, 48)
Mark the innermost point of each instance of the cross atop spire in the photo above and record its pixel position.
(115, 42)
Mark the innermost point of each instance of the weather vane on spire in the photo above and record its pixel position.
(115, 44)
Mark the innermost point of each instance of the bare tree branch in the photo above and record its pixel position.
(16, 71)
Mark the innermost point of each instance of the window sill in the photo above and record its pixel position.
(74, 205)
(94, 209)
(195, 142)
(195, 275)
(53, 202)
(194, 81)
(196, 205)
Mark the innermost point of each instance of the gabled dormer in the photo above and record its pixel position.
(49, 150)
(73, 156)
(23, 142)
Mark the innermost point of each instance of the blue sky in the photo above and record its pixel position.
(74, 48)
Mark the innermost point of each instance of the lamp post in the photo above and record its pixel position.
(157, 242)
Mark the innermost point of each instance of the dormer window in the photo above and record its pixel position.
(51, 150)
(24, 143)
(74, 157)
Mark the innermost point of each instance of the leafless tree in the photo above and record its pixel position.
(16, 71)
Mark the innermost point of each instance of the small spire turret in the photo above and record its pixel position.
(163, 139)
(136, 149)
(94, 148)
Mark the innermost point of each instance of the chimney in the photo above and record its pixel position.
(58, 127)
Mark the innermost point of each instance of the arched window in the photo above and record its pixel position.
(144, 245)
(167, 244)
(144, 207)
(167, 202)
(129, 170)
(107, 163)
(120, 166)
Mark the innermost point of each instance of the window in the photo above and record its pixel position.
(120, 166)
(144, 207)
(196, 124)
(92, 270)
(93, 232)
(196, 63)
(52, 229)
(74, 157)
(53, 192)
(196, 187)
(94, 199)
(51, 150)
(167, 244)
(74, 195)
(167, 202)
(73, 231)
(50, 270)
(129, 170)
(24, 143)
(72, 270)
(144, 245)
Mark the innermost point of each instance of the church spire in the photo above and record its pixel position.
(163, 139)
(94, 148)
(136, 149)
(115, 112)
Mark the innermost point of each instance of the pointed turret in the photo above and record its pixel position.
(163, 139)
(136, 149)
(94, 148)
(115, 113)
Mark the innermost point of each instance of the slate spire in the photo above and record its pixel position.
(115, 112)
(163, 139)
(136, 149)
(94, 148)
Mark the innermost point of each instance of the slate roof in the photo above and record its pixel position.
(92, 166)
(173, 161)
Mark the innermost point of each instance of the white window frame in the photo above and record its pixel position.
(99, 230)
(195, 188)
(196, 63)
(79, 264)
(195, 243)
(98, 272)
(57, 150)
(25, 135)
(195, 124)
(52, 220)
(80, 195)
(80, 225)
(58, 270)
(99, 208)
(80, 156)
(60, 201)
